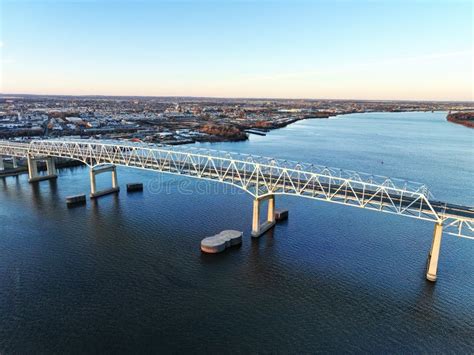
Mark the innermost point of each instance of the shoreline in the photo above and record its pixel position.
(465, 119)
(213, 133)
(277, 125)
(282, 124)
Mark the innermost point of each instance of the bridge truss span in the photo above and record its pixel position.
(262, 177)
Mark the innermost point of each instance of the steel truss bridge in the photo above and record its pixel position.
(263, 178)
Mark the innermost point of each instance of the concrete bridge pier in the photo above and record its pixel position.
(257, 228)
(2, 164)
(15, 163)
(96, 171)
(432, 265)
(33, 169)
(51, 166)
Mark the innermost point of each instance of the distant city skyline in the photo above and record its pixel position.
(391, 50)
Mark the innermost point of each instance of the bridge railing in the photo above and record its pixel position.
(16, 149)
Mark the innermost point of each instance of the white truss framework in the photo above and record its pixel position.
(261, 176)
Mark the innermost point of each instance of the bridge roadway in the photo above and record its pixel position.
(263, 178)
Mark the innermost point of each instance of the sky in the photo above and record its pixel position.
(339, 49)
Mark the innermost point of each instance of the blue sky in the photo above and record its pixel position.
(308, 49)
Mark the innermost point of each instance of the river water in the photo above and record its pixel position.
(125, 273)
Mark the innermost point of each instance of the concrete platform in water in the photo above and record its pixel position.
(219, 242)
(134, 187)
(281, 215)
(76, 200)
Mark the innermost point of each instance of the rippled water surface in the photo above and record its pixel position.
(125, 273)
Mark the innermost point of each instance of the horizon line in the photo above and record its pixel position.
(236, 97)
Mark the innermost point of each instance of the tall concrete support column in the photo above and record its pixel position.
(256, 217)
(114, 178)
(95, 171)
(15, 163)
(32, 169)
(433, 258)
(271, 209)
(257, 228)
(2, 164)
(93, 183)
(51, 166)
